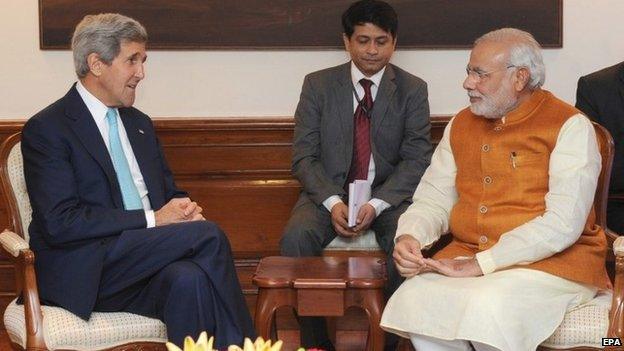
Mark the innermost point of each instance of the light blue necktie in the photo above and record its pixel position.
(129, 192)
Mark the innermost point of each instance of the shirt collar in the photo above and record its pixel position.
(356, 75)
(96, 107)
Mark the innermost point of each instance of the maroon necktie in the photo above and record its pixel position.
(361, 135)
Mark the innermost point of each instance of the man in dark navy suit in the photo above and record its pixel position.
(110, 229)
(600, 95)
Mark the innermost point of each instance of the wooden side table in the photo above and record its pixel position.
(321, 286)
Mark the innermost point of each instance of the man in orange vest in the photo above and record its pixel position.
(513, 180)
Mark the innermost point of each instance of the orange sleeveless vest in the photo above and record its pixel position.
(502, 179)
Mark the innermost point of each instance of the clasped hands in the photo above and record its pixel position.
(178, 210)
(340, 215)
(410, 261)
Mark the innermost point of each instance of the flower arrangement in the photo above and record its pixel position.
(205, 344)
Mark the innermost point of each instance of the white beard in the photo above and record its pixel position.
(496, 105)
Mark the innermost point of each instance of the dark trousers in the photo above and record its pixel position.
(182, 274)
(309, 230)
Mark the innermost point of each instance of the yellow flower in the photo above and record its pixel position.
(259, 345)
(205, 344)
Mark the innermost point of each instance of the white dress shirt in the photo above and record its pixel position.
(574, 167)
(98, 112)
(356, 75)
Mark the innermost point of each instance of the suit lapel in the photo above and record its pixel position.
(344, 98)
(89, 135)
(382, 100)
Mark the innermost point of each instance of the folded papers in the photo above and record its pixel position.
(359, 194)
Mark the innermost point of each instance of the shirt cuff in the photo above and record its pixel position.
(150, 218)
(379, 205)
(331, 201)
(486, 261)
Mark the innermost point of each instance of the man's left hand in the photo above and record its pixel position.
(455, 267)
(365, 218)
(192, 211)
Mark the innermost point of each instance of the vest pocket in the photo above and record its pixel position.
(523, 159)
(530, 172)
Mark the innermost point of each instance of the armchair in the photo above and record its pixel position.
(32, 326)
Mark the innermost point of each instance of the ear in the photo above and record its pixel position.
(523, 76)
(346, 40)
(95, 64)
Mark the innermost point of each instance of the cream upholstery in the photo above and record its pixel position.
(618, 246)
(364, 242)
(12, 242)
(583, 326)
(62, 329)
(15, 167)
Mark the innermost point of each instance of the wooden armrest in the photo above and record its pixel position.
(616, 327)
(12, 242)
(24, 259)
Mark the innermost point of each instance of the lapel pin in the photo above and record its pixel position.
(141, 131)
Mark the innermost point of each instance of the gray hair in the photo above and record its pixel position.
(103, 34)
(525, 52)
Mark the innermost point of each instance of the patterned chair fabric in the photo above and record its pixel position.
(15, 167)
(62, 329)
(65, 331)
(584, 326)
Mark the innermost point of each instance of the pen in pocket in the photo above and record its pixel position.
(512, 156)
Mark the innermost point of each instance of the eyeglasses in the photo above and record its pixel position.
(479, 75)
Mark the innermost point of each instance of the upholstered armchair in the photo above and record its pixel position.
(583, 328)
(30, 325)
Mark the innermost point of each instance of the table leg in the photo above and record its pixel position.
(373, 303)
(269, 300)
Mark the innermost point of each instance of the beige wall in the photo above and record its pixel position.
(267, 83)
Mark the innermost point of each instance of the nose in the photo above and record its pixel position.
(140, 71)
(469, 83)
(372, 49)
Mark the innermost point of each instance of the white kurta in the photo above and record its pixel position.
(511, 309)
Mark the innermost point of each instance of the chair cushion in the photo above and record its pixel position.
(584, 326)
(15, 167)
(63, 330)
(364, 242)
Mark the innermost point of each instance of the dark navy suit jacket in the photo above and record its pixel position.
(77, 206)
(600, 96)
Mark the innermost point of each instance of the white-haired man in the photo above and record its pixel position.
(513, 180)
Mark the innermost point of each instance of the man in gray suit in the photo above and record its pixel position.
(366, 119)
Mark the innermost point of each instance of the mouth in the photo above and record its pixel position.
(371, 61)
(132, 86)
(474, 96)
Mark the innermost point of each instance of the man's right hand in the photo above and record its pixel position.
(178, 210)
(408, 258)
(339, 215)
